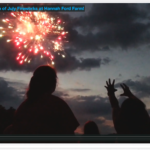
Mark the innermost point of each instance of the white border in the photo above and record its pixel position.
(76, 146)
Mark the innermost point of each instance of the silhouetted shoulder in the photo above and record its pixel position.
(66, 116)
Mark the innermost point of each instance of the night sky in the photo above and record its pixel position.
(105, 41)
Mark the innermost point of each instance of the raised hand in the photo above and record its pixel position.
(126, 90)
(110, 87)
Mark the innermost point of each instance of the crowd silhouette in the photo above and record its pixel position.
(43, 113)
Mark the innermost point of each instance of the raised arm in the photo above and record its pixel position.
(114, 104)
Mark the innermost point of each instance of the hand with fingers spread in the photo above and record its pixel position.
(110, 87)
(126, 90)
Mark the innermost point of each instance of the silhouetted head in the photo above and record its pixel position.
(90, 127)
(43, 81)
(134, 117)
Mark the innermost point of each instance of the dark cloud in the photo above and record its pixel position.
(80, 90)
(71, 63)
(9, 96)
(116, 25)
(140, 87)
(89, 63)
(61, 93)
(106, 48)
(103, 14)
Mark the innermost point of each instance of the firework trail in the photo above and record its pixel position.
(34, 33)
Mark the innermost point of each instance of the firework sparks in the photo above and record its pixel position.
(34, 33)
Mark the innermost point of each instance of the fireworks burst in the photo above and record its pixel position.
(34, 33)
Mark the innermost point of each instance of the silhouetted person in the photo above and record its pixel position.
(132, 117)
(42, 112)
(90, 128)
